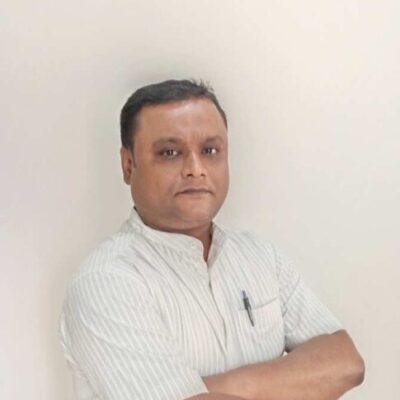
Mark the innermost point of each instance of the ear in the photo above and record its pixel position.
(127, 164)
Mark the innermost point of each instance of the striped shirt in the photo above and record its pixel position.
(146, 317)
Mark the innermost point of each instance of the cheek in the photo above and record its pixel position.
(223, 182)
(221, 173)
(165, 180)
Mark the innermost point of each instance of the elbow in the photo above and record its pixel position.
(353, 365)
(356, 373)
(360, 371)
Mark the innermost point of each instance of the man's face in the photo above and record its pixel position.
(178, 146)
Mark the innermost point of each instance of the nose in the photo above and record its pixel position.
(193, 166)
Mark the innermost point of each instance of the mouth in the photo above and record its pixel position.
(195, 192)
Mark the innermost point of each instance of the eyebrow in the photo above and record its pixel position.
(176, 140)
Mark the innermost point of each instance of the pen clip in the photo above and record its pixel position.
(247, 306)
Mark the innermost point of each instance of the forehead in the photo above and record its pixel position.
(187, 120)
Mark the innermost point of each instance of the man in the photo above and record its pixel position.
(174, 306)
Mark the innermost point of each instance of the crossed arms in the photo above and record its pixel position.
(323, 368)
(113, 332)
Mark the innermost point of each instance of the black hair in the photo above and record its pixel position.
(160, 93)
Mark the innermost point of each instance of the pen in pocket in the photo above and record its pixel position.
(247, 306)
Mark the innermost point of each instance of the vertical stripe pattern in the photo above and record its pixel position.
(145, 317)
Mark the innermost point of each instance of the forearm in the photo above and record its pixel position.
(323, 368)
(214, 396)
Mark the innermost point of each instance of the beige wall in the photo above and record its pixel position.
(312, 92)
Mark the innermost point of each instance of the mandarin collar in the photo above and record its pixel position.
(178, 241)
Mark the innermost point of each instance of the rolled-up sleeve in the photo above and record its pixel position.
(304, 315)
(114, 331)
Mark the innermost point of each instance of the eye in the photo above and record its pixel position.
(169, 153)
(211, 150)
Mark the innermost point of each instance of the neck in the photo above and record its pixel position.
(202, 233)
(206, 240)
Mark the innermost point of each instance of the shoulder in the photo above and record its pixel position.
(111, 267)
(106, 287)
(250, 248)
(247, 240)
(257, 247)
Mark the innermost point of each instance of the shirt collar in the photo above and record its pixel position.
(179, 241)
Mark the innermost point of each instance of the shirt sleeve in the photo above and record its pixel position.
(304, 315)
(116, 335)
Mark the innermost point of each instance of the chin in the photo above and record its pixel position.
(200, 216)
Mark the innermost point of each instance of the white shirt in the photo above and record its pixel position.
(146, 317)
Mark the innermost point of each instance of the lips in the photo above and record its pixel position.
(194, 190)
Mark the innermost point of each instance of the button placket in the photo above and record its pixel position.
(202, 294)
(220, 305)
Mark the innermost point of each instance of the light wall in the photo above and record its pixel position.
(311, 89)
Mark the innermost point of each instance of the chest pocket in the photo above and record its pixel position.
(265, 340)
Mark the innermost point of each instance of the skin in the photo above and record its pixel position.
(158, 173)
(322, 368)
